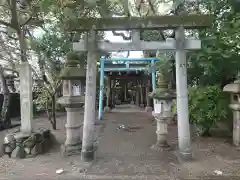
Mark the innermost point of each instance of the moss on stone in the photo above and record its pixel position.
(74, 67)
(189, 21)
(29, 145)
(162, 94)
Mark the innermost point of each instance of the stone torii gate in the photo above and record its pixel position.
(180, 45)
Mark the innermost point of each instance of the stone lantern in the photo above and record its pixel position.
(73, 76)
(163, 99)
(234, 89)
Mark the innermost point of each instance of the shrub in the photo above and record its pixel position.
(207, 106)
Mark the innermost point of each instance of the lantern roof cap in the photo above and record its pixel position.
(163, 92)
(233, 87)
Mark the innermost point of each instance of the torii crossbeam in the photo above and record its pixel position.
(188, 21)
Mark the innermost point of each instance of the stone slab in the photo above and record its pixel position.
(169, 45)
(190, 21)
(26, 99)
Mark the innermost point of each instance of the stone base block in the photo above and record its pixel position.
(69, 150)
(148, 109)
(88, 156)
(20, 145)
(161, 147)
(132, 103)
(107, 109)
(19, 152)
(184, 157)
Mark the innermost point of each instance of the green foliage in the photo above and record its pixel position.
(207, 106)
(164, 67)
(218, 60)
(43, 100)
(174, 107)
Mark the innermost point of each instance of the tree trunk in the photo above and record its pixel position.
(5, 116)
(53, 119)
(23, 47)
(20, 31)
(52, 115)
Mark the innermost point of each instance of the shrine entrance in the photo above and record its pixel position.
(128, 81)
(180, 45)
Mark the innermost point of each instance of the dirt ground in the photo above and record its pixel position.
(126, 155)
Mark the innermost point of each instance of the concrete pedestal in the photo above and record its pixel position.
(236, 123)
(88, 154)
(162, 131)
(236, 128)
(73, 143)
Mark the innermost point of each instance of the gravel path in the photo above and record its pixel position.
(126, 155)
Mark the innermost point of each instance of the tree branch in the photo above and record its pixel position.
(127, 38)
(11, 37)
(27, 21)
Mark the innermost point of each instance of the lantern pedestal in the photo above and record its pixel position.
(234, 90)
(162, 131)
(73, 106)
(236, 123)
(73, 76)
(162, 114)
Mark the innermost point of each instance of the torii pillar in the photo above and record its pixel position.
(88, 150)
(184, 139)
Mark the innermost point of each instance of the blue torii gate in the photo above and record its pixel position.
(127, 68)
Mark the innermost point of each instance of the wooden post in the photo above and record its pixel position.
(148, 107)
(107, 108)
(125, 91)
(141, 94)
(137, 97)
(113, 91)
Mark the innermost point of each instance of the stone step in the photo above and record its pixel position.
(144, 177)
